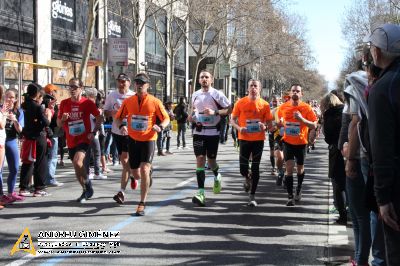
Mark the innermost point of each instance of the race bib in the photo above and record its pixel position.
(206, 119)
(292, 128)
(76, 127)
(139, 122)
(252, 126)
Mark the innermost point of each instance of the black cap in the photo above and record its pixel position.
(142, 78)
(123, 76)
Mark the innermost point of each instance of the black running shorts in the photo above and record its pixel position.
(205, 145)
(291, 152)
(121, 142)
(140, 152)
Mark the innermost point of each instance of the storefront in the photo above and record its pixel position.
(17, 42)
(68, 31)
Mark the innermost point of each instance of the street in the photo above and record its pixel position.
(175, 232)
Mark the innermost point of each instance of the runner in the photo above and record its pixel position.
(74, 117)
(249, 117)
(208, 105)
(296, 117)
(113, 103)
(141, 111)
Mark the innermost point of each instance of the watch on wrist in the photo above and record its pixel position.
(216, 112)
(122, 125)
(160, 126)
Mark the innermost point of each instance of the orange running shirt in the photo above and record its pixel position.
(142, 116)
(295, 132)
(249, 113)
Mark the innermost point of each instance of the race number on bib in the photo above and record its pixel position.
(292, 128)
(76, 127)
(139, 122)
(252, 126)
(206, 119)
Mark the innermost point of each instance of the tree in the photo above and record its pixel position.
(92, 10)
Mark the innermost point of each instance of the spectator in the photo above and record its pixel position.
(181, 115)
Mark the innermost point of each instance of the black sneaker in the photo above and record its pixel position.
(290, 202)
(89, 190)
(119, 198)
(82, 198)
(341, 220)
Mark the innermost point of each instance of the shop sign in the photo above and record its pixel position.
(118, 51)
(96, 54)
(114, 29)
(63, 13)
(224, 70)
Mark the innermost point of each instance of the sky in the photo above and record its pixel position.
(324, 32)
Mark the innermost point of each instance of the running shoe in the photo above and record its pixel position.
(199, 199)
(23, 192)
(341, 220)
(140, 209)
(290, 202)
(82, 198)
(252, 201)
(100, 176)
(273, 171)
(333, 210)
(217, 184)
(41, 193)
(119, 197)
(6, 200)
(89, 190)
(55, 184)
(134, 183)
(16, 197)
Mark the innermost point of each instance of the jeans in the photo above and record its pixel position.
(52, 161)
(360, 216)
(12, 157)
(378, 243)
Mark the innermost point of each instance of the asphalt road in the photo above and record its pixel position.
(175, 232)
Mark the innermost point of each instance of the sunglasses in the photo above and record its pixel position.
(73, 87)
(139, 82)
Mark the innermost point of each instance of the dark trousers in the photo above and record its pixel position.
(38, 168)
(254, 148)
(392, 244)
(181, 132)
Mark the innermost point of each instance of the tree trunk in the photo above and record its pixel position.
(171, 75)
(89, 39)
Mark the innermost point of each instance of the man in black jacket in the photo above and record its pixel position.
(384, 130)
